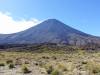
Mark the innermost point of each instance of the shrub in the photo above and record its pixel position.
(2, 64)
(54, 57)
(45, 57)
(25, 70)
(26, 62)
(96, 69)
(9, 61)
(84, 62)
(55, 72)
(36, 64)
(49, 69)
(93, 67)
(11, 66)
(62, 66)
(18, 62)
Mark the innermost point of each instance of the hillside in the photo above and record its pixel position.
(50, 31)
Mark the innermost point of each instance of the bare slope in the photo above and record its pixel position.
(50, 31)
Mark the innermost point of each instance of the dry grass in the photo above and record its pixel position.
(80, 63)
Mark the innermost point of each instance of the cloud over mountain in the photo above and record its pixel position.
(9, 25)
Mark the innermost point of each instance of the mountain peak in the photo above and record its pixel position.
(50, 31)
(52, 20)
(52, 23)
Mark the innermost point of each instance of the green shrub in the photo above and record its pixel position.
(2, 64)
(25, 70)
(55, 72)
(84, 62)
(9, 61)
(11, 66)
(49, 69)
(45, 57)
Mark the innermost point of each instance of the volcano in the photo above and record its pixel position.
(50, 31)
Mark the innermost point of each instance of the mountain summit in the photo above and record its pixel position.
(49, 31)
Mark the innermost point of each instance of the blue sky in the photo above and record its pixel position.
(80, 14)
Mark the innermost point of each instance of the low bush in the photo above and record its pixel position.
(11, 66)
(25, 70)
(55, 72)
(2, 64)
(9, 61)
(93, 67)
(49, 69)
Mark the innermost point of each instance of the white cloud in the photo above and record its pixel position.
(9, 25)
